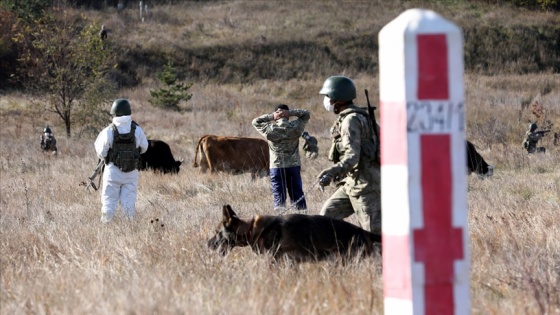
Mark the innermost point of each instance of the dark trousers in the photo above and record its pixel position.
(282, 179)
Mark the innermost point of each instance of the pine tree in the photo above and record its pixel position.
(172, 93)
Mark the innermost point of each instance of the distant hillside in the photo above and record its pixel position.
(243, 41)
(488, 50)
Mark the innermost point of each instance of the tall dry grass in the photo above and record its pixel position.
(57, 258)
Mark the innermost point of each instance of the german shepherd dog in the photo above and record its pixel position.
(298, 237)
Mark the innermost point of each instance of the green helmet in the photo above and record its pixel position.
(339, 88)
(121, 107)
(533, 127)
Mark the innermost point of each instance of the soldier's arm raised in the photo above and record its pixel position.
(262, 123)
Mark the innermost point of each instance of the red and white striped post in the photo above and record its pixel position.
(423, 168)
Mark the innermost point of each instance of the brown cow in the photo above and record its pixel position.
(235, 155)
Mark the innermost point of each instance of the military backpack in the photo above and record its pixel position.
(124, 153)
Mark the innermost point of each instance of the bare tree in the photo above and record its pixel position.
(70, 63)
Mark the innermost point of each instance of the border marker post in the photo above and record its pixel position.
(423, 166)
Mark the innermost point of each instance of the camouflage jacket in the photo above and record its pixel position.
(353, 152)
(283, 137)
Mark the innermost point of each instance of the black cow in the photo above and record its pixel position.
(475, 163)
(158, 157)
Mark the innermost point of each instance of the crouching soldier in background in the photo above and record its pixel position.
(310, 146)
(532, 137)
(48, 141)
(120, 145)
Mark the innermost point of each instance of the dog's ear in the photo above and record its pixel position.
(229, 214)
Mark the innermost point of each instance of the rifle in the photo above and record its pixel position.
(542, 132)
(98, 170)
(373, 123)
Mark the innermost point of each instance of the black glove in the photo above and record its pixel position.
(325, 178)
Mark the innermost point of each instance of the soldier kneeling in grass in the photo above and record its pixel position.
(532, 137)
(48, 141)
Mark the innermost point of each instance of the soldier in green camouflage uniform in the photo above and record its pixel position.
(283, 140)
(356, 157)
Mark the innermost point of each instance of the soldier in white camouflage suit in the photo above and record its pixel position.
(356, 157)
(283, 140)
(120, 146)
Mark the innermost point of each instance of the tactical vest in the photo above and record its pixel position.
(124, 153)
(368, 154)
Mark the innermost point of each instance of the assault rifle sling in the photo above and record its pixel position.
(373, 123)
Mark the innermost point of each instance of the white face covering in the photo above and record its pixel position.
(327, 104)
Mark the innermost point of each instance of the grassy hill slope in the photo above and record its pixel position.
(243, 41)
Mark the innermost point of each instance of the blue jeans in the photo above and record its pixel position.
(289, 178)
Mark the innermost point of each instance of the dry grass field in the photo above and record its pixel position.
(56, 257)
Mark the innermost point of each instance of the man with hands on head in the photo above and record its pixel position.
(283, 142)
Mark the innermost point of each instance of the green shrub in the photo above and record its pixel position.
(172, 93)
